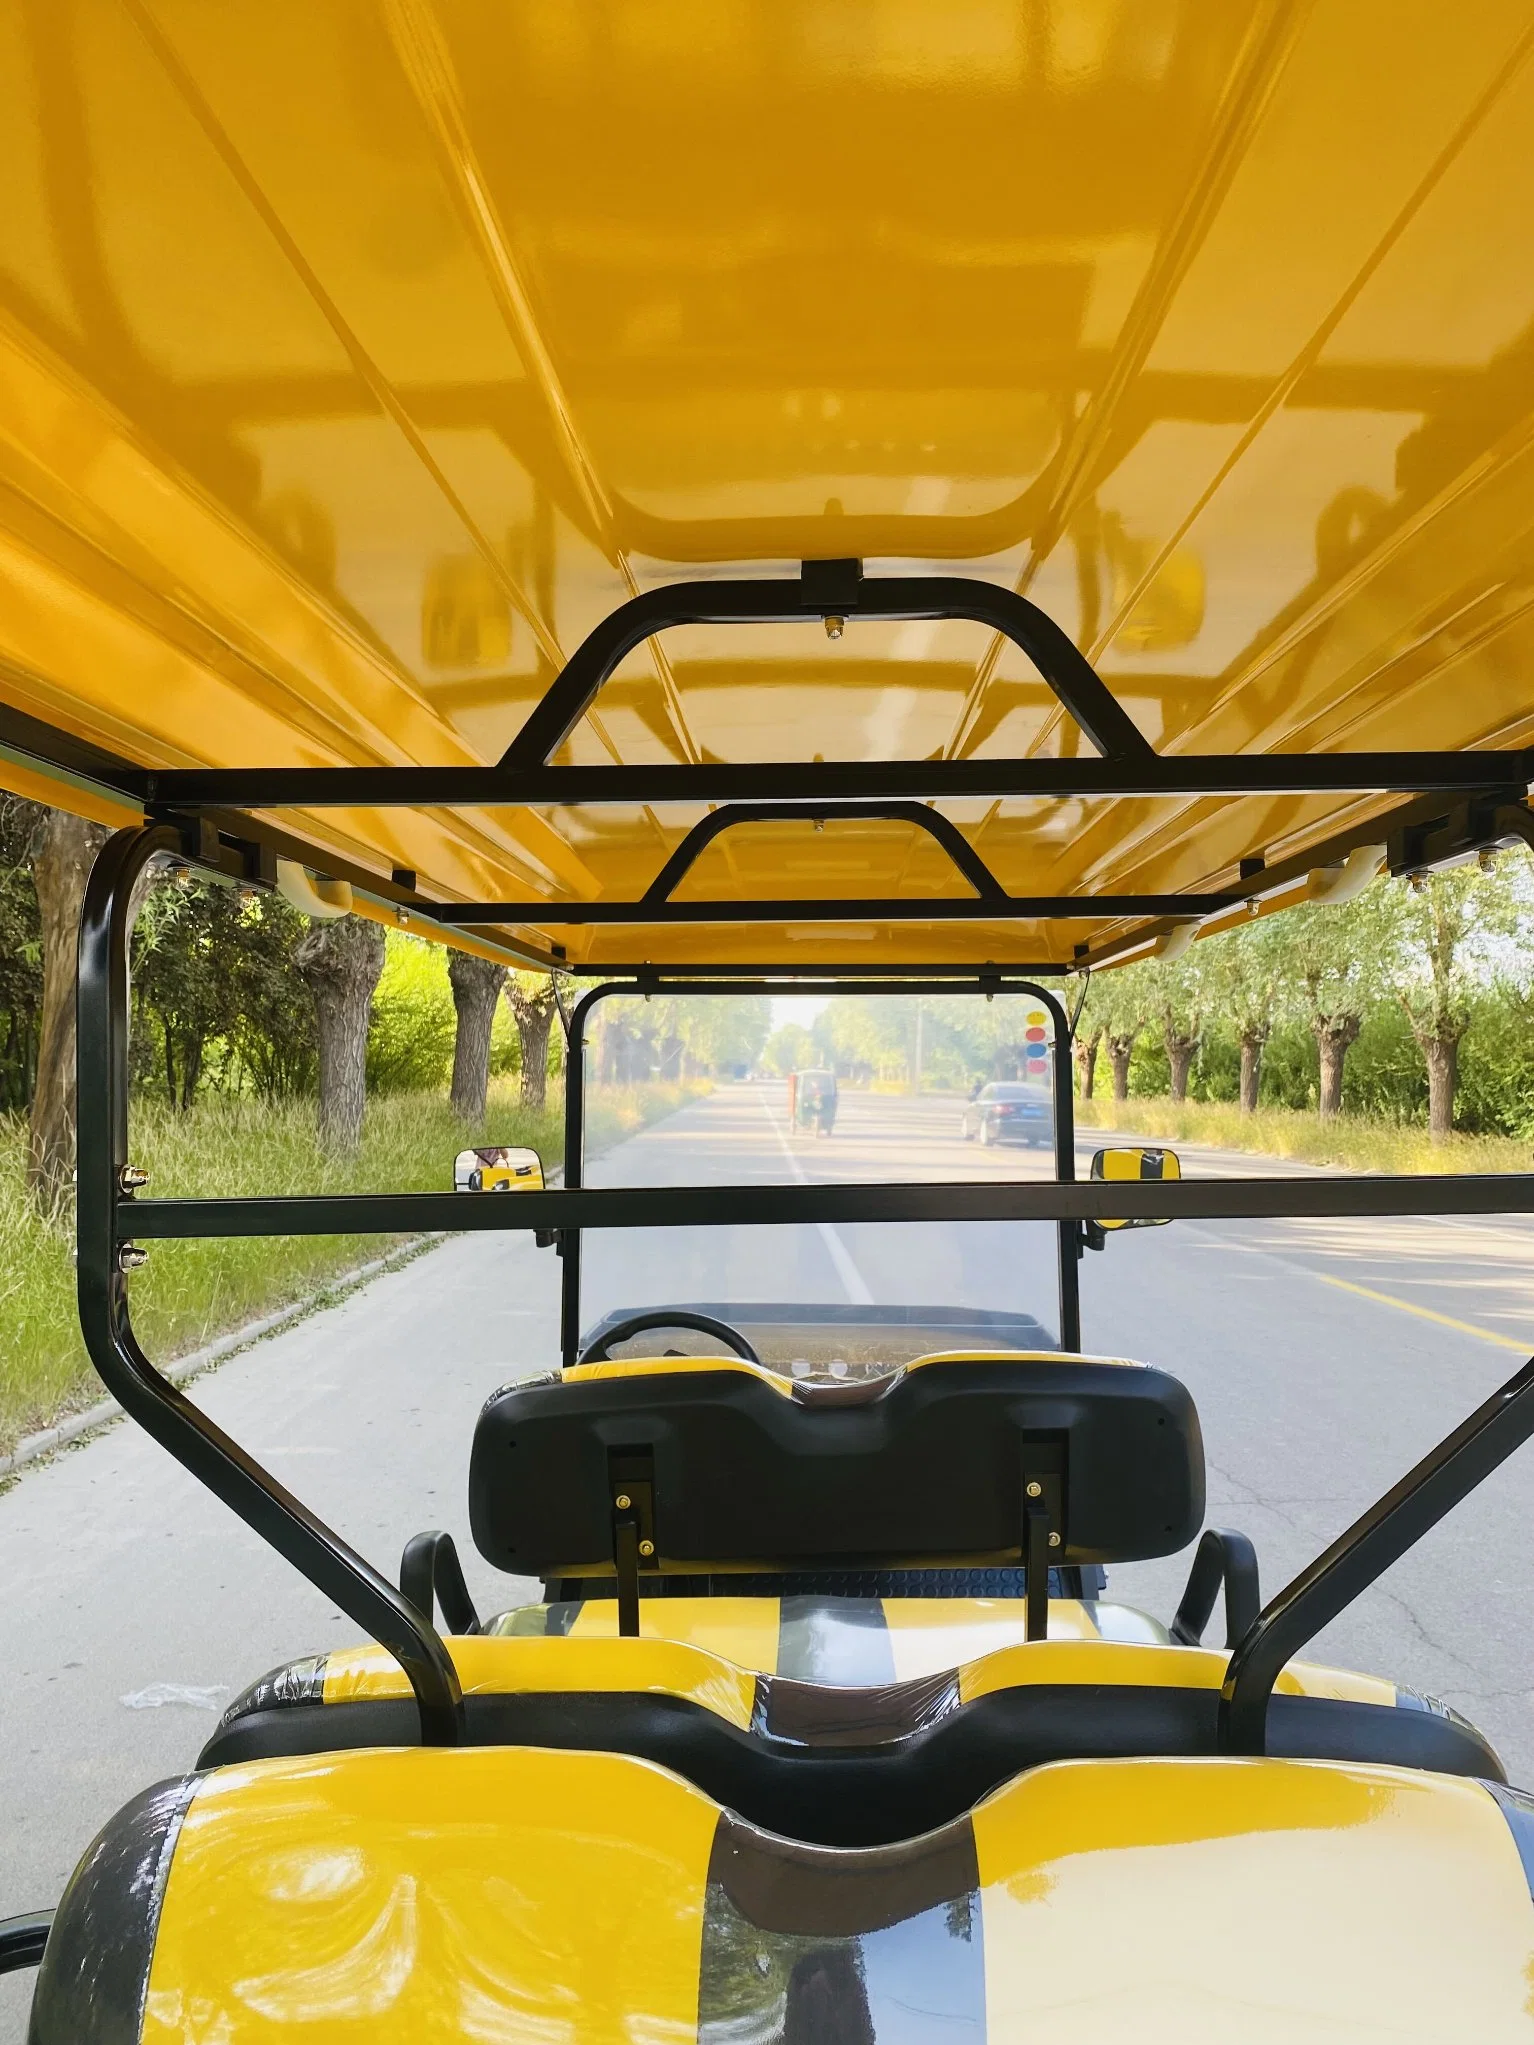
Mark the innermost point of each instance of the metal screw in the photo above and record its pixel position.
(623, 1501)
(130, 1257)
(647, 1547)
(835, 627)
(1035, 1491)
(131, 1177)
(1054, 1540)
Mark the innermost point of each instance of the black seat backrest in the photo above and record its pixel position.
(729, 1464)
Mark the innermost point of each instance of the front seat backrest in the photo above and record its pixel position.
(726, 1463)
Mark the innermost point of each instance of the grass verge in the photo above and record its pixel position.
(190, 1293)
(1347, 1140)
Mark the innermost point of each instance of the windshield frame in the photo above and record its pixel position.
(1067, 1232)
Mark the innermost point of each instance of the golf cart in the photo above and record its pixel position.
(824, 1723)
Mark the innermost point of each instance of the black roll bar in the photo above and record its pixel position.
(947, 834)
(1394, 1523)
(232, 1475)
(832, 590)
(110, 1216)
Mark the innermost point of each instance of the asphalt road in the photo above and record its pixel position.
(1325, 1359)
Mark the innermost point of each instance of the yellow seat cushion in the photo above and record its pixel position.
(507, 1894)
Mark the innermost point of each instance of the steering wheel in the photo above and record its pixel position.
(600, 1350)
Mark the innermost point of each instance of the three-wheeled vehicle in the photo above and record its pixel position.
(919, 504)
(812, 1100)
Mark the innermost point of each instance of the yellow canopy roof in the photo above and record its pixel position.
(358, 356)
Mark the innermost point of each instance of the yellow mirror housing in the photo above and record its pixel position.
(1136, 1164)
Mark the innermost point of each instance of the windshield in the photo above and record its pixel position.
(799, 1091)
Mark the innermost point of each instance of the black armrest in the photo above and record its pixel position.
(22, 1940)
(430, 1573)
(1222, 1557)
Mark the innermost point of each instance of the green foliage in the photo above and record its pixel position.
(410, 1040)
(215, 997)
(678, 1036)
(791, 1048)
(953, 1038)
(229, 1144)
(276, 1041)
(1448, 958)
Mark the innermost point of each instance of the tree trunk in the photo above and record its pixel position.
(1120, 1051)
(1180, 1052)
(1333, 1034)
(476, 985)
(61, 856)
(1084, 1051)
(1252, 1043)
(533, 1026)
(1442, 1056)
(340, 963)
(534, 1016)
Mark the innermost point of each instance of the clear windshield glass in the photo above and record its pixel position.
(856, 1089)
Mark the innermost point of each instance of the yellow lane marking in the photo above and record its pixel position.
(1386, 1299)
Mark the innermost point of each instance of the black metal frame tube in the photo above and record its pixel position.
(827, 589)
(946, 833)
(1320, 1198)
(652, 910)
(1358, 1557)
(1475, 772)
(234, 1477)
(1067, 1230)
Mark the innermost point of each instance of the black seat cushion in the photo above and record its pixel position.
(862, 1767)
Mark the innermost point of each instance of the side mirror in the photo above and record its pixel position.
(1131, 1164)
(498, 1169)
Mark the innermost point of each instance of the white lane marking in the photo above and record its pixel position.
(1209, 1240)
(853, 1283)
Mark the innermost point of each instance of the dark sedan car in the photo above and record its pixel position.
(1009, 1112)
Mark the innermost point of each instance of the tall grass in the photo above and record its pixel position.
(1359, 1143)
(189, 1293)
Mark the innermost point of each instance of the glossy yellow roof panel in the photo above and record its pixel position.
(358, 356)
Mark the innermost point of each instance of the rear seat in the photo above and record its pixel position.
(505, 1893)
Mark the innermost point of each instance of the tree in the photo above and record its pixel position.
(61, 853)
(476, 985)
(1089, 1034)
(275, 1035)
(187, 975)
(791, 1048)
(531, 999)
(1334, 952)
(1244, 971)
(340, 962)
(1120, 1001)
(1181, 994)
(1437, 922)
